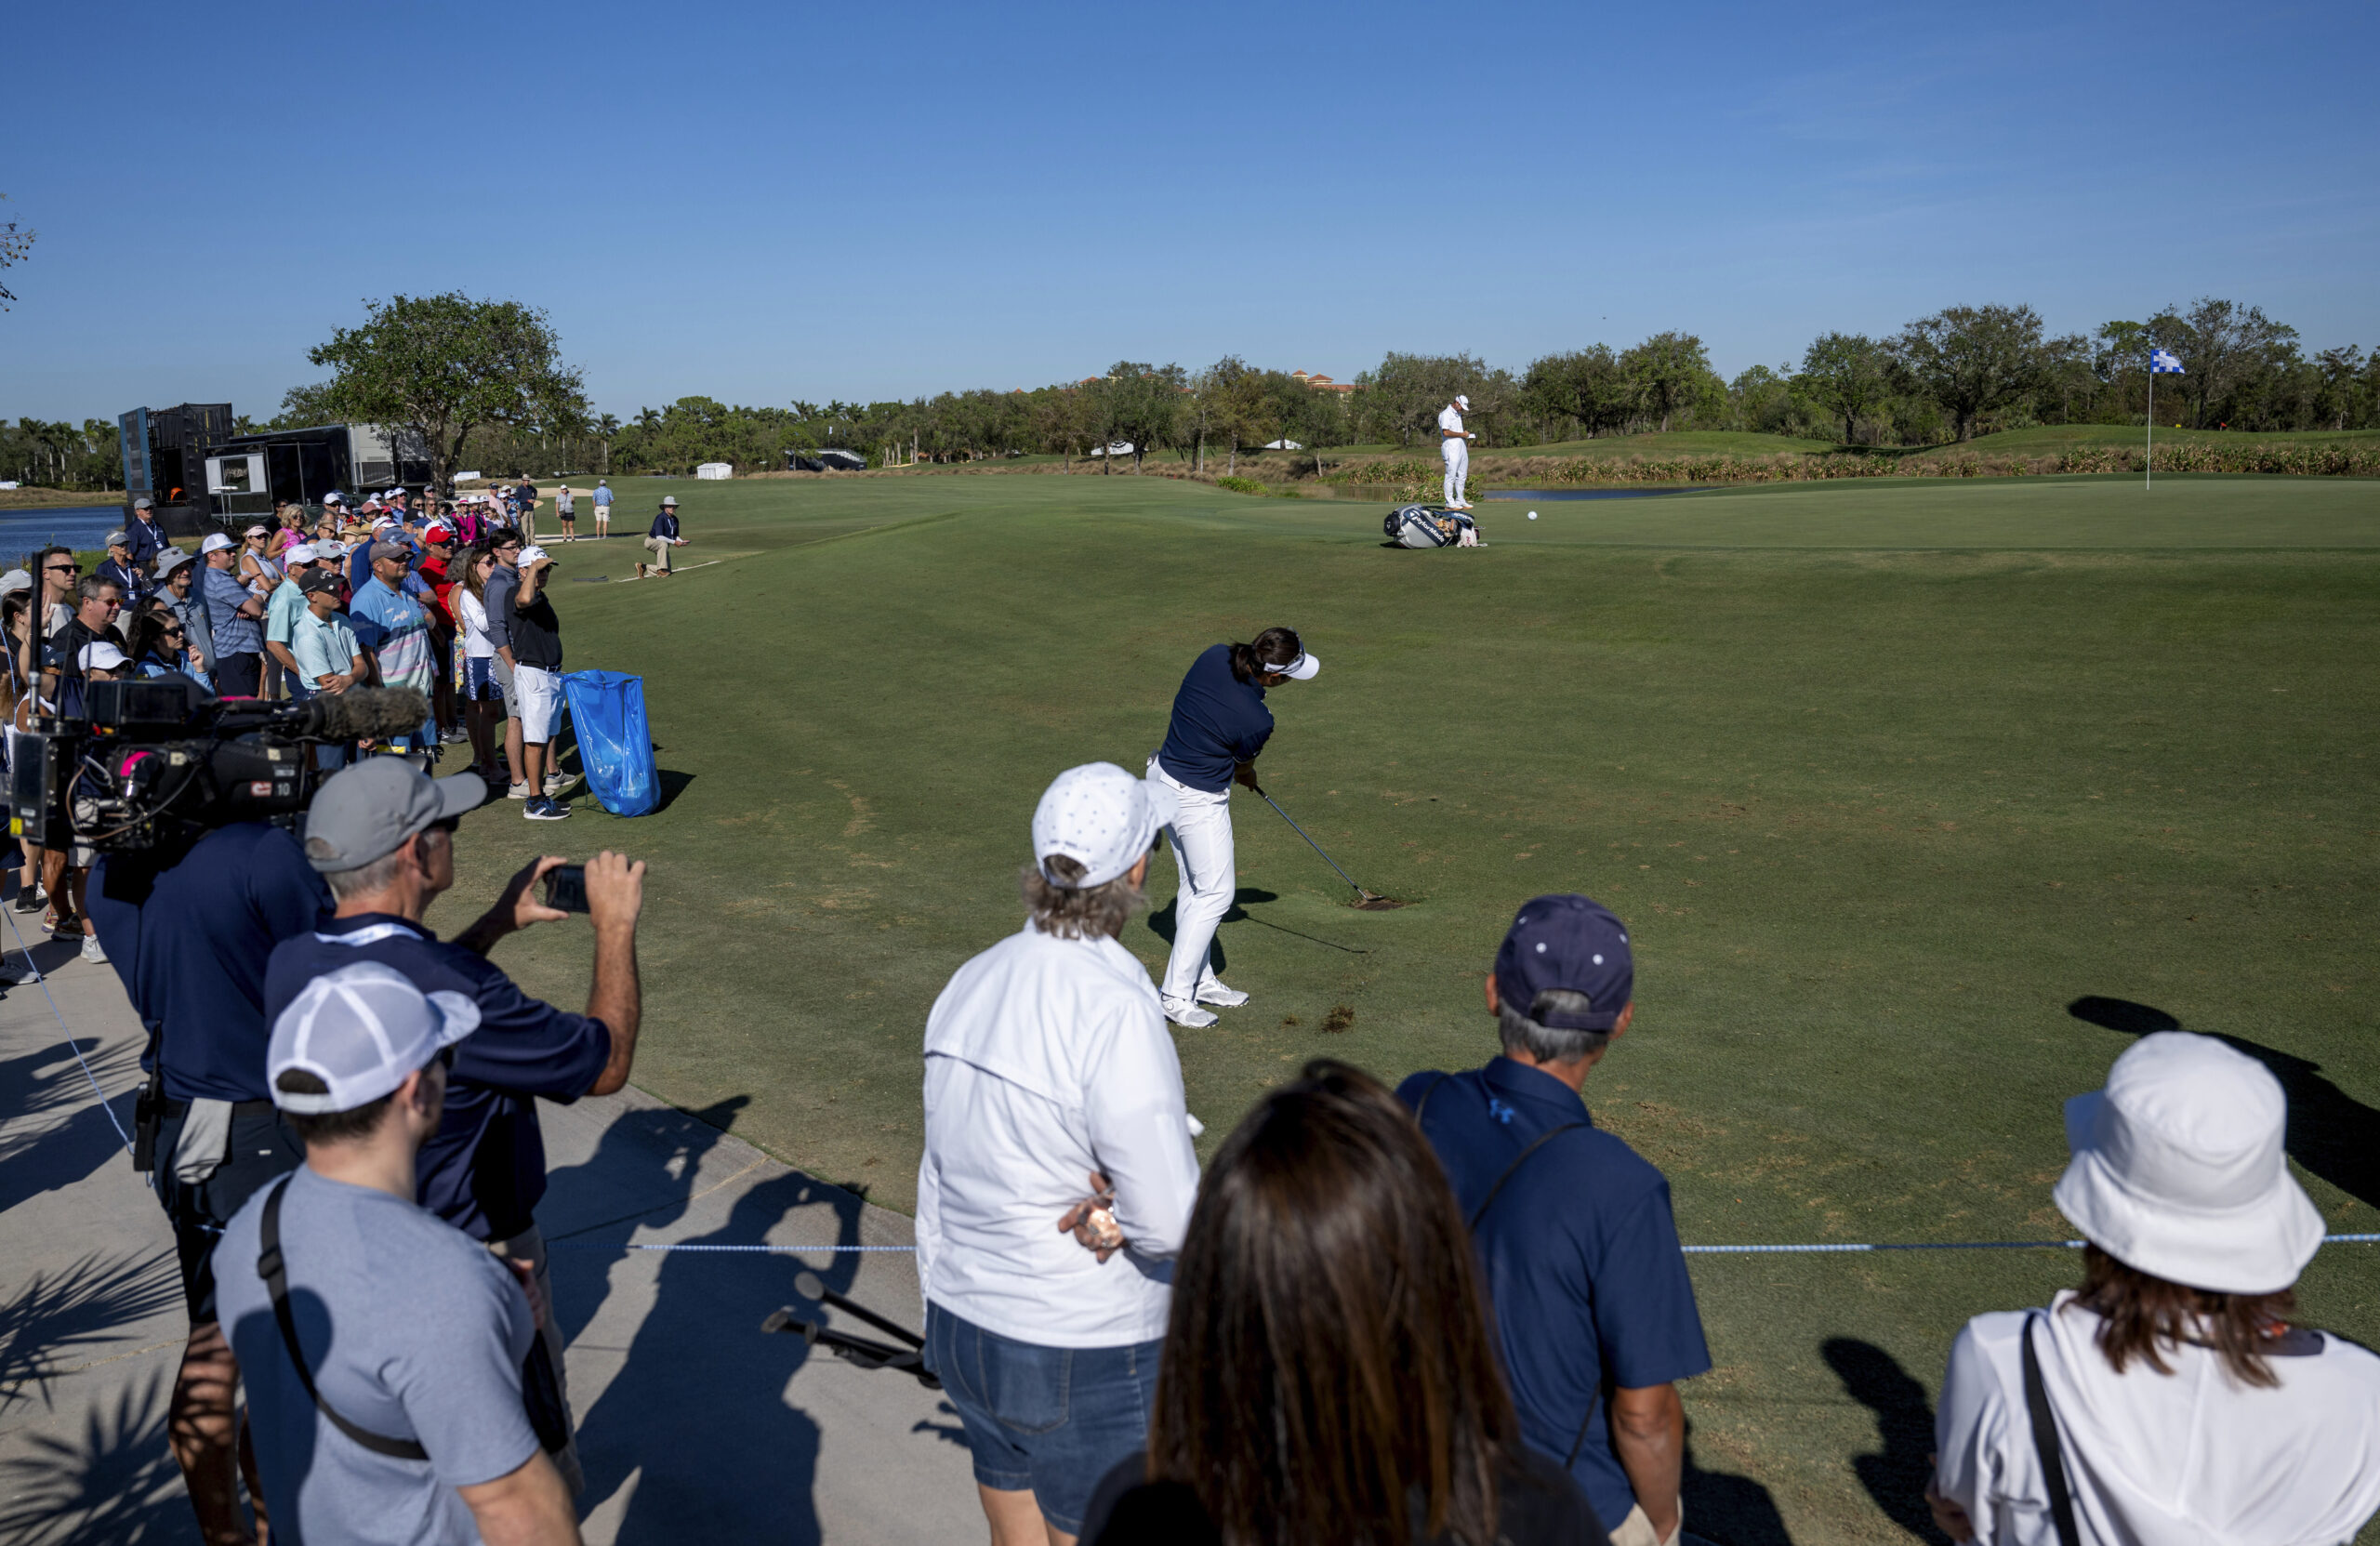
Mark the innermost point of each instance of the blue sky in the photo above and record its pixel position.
(763, 203)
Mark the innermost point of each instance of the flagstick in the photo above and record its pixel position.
(2149, 465)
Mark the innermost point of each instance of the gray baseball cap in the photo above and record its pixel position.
(143, 503)
(116, 539)
(367, 811)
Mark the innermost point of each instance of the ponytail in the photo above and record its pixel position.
(1273, 649)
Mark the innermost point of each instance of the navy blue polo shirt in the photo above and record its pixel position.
(664, 524)
(189, 934)
(1219, 722)
(1580, 1253)
(484, 1169)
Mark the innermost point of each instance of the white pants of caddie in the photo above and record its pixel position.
(1458, 456)
(1202, 856)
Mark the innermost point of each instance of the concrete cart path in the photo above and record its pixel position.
(692, 1425)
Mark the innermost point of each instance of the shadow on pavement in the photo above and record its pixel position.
(697, 1421)
(38, 1156)
(1897, 1475)
(2331, 1133)
(56, 1319)
(115, 1481)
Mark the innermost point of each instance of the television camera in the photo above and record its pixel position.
(151, 759)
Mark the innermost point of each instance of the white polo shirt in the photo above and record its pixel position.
(1047, 1059)
(2187, 1458)
(1451, 419)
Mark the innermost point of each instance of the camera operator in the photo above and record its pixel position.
(189, 927)
(97, 602)
(383, 834)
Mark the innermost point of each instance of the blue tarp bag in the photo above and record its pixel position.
(615, 742)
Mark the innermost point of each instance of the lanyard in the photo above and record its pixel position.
(372, 933)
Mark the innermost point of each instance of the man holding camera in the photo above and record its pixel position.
(1594, 1311)
(383, 1353)
(189, 927)
(383, 835)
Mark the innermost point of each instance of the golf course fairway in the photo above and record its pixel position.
(1882, 776)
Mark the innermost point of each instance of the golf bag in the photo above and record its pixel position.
(1424, 526)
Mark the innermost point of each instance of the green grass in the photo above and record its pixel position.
(2049, 439)
(1881, 776)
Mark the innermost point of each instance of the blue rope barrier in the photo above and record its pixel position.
(72, 1042)
(1690, 1250)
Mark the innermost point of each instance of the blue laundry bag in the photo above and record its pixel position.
(614, 742)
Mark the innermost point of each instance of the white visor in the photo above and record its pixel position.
(1300, 669)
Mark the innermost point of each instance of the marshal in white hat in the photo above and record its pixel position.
(2178, 1169)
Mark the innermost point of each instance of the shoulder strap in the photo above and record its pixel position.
(275, 1272)
(1542, 1139)
(1423, 1104)
(2045, 1443)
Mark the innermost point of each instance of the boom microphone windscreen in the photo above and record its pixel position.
(368, 713)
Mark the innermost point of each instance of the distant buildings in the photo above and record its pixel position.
(1321, 383)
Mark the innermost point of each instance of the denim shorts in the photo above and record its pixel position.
(1052, 1419)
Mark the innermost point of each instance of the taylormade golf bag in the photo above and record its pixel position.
(1424, 526)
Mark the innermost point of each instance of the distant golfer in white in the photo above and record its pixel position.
(1455, 445)
(1220, 727)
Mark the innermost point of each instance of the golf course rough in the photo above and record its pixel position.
(1881, 778)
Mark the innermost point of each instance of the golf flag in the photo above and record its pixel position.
(2164, 362)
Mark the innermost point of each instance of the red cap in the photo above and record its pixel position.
(439, 532)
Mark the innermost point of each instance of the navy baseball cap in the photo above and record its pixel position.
(1567, 941)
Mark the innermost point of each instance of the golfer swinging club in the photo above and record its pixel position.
(1220, 725)
(1455, 445)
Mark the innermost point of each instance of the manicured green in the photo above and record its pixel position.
(1881, 776)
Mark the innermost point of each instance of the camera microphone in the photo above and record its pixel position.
(366, 714)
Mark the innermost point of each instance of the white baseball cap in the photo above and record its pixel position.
(2178, 1169)
(1101, 817)
(532, 554)
(1461, 401)
(100, 656)
(361, 1030)
(15, 579)
(302, 552)
(215, 543)
(333, 498)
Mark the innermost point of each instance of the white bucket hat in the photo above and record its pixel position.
(1101, 817)
(2178, 1169)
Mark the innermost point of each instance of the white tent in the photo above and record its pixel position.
(715, 470)
(1115, 448)
(1283, 445)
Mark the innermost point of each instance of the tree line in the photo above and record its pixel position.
(485, 384)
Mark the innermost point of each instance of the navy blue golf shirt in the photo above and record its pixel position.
(484, 1169)
(190, 933)
(1580, 1253)
(1219, 722)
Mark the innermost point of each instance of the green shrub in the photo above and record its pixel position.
(1250, 485)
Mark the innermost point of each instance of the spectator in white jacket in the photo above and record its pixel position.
(1049, 1068)
(2180, 1407)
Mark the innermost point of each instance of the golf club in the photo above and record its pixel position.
(1366, 900)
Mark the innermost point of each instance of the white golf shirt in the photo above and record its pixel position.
(2187, 1458)
(1047, 1059)
(1451, 421)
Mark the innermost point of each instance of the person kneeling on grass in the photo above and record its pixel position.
(1047, 1064)
(2182, 1406)
(382, 1350)
(1573, 1227)
(661, 540)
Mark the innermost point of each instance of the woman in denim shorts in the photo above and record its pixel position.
(1058, 1176)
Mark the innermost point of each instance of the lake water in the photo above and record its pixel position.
(82, 527)
(1554, 494)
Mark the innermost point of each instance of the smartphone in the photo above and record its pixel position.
(567, 888)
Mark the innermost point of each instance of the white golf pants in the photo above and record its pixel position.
(1202, 856)
(1458, 456)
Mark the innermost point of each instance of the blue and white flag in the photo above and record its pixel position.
(2164, 362)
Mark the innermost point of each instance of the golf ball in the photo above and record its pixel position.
(1532, 515)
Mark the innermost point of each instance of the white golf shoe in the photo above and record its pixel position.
(1212, 991)
(1183, 1012)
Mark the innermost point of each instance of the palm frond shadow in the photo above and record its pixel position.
(57, 1317)
(114, 1481)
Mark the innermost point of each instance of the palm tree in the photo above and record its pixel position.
(605, 427)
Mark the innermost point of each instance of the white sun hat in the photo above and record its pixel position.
(1101, 817)
(100, 656)
(2178, 1169)
(361, 1030)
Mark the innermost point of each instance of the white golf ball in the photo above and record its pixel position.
(1532, 515)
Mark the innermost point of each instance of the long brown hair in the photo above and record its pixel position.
(2141, 1317)
(1329, 1368)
